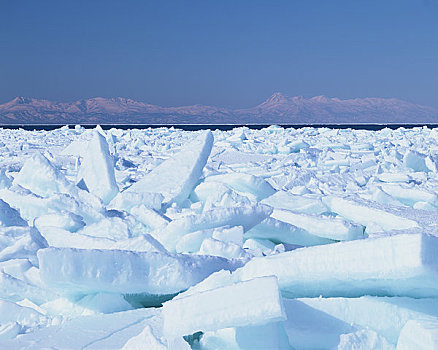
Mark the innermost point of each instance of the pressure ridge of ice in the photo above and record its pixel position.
(311, 238)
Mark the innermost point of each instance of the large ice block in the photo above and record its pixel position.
(249, 303)
(71, 271)
(97, 169)
(399, 265)
(176, 176)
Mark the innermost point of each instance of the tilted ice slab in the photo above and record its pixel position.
(42, 178)
(419, 334)
(60, 238)
(97, 169)
(282, 232)
(309, 328)
(399, 265)
(75, 148)
(300, 204)
(327, 227)
(410, 195)
(89, 332)
(9, 216)
(249, 303)
(73, 271)
(14, 289)
(385, 315)
(372, 213)
(176, 176)
(149, 217)
(246, 216)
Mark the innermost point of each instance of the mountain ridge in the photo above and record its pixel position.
(278, 108)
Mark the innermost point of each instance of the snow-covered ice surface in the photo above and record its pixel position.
(243, 239)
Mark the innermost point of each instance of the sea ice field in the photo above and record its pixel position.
(311, 238)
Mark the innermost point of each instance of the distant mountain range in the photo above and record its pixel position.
(278, 109)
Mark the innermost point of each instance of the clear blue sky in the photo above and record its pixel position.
(227, 53)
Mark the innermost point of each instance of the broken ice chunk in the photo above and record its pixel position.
(191, 242)
(246, 216)
(419, 334)
(65, 220)
(109, 331)
(250, 303)
(367, 213)
(25, 316)
(10, 216)
(364, 339)
(149, 217)
(410, 195)
(146, 340)
(256, 186)
(83, 271)
(20, 242)
(97, 169)
(32, 206)
(415, 161)
(384, 315)
(282, 232)
(227, 250)
(128, 199)
(270, 336)
(399, 265)
(176, 177)
(326, 227)
(14, 289)
(42, 178)
(300, 204)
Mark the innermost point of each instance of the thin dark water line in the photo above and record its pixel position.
(224, 127)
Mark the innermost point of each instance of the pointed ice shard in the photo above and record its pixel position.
(97, 170)
(176, 177)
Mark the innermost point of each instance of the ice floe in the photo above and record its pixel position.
(311, 238)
